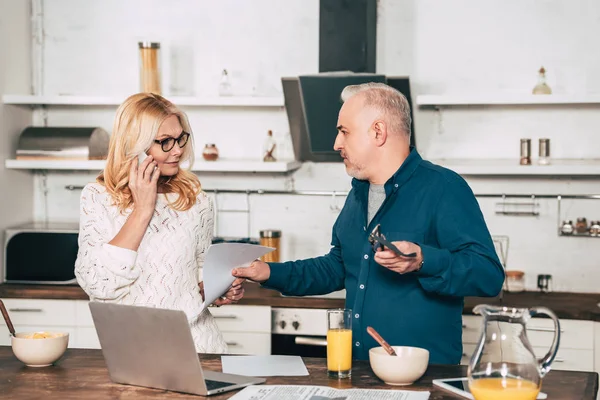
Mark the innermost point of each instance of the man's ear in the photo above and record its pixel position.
(381, 133)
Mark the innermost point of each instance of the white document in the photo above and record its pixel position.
(264, 365)
(285, 392)
(220, 260)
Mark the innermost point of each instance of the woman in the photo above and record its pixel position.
(145, 228)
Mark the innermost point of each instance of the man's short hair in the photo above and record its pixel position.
(389, 100)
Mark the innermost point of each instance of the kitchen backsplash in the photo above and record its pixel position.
(306, 221)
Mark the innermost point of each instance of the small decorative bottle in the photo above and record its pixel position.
(542, 87)
(269, 147)
(225, 85)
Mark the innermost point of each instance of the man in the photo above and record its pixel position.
(422, 208)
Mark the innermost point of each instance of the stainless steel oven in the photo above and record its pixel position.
(299, 332)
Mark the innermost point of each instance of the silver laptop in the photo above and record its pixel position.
(153, 347)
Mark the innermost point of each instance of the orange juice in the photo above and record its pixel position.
(503, 389)
(339, 350)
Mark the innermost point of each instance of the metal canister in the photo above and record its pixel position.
(525, 152)
(271, 238)
(544, 152)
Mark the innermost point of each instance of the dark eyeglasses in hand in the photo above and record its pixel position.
(378, 241)
(167, 144)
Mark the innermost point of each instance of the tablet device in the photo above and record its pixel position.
(460, 386)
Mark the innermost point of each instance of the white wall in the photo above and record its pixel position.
(456, 46)
(16, 189)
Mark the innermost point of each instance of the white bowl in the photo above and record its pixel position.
(39, 352)
(405, 368)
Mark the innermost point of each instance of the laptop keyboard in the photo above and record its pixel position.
(212, 385)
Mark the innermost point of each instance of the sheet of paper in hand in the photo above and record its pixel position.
(220, 260)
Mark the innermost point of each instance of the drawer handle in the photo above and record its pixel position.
(559, 360)
(226, 316)
(544, 330)
(310, 341)
(25, 310)
(236, 343)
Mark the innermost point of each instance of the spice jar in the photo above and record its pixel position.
(581, 226)
(544, 152)
(567, 228)
(270, 238)
(515, 281)
(149, 67)
(594, 228)
(210, 152)
(525, 152)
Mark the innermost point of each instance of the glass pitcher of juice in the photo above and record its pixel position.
(504, 365)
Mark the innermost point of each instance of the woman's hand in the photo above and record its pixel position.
(232, 296)
(143, 183)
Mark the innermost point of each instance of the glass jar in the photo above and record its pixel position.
(515, 281)
(210, 152)
(149, 67)
(271, 238)
(567, 228)
(525, 152)
(581, 226)
(594, 228)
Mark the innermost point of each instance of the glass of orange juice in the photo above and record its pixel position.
(339, 343)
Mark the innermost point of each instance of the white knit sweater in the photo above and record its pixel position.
(165, 270)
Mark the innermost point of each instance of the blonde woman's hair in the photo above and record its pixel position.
(135, 128)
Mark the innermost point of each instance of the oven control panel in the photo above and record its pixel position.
(299, 321)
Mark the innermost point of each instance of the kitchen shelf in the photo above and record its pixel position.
(225, 101)
(511, 167)
(574, 234)
(199, 165)
(433, 100)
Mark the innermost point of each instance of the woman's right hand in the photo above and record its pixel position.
(143, 183)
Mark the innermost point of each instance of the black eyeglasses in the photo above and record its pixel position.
(167, 144)
(378, 241)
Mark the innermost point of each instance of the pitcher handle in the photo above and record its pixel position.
(546, 362)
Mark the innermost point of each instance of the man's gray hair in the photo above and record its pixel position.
(389, 100)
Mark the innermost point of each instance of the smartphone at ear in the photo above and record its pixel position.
(141, 157)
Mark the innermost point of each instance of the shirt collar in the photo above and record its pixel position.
(400, 177)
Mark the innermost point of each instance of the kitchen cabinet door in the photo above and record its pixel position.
(248, 343)
(40, 312)
(87, 338)
(237, 318)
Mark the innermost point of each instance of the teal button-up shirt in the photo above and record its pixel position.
(432, 207)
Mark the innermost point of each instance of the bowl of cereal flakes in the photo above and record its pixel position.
(39, 349)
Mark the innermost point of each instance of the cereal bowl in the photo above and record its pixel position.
(39, 349)
(406, 367)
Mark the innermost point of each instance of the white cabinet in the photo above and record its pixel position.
(576, 349)
(33, 315)
(246, 329)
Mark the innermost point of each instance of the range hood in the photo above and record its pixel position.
(312, 104)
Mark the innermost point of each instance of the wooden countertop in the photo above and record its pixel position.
(82, 374)
(583, 306)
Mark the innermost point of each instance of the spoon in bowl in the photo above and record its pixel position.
(11, 328)
(383, 343)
